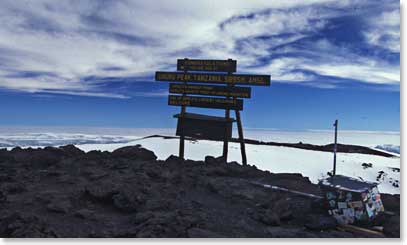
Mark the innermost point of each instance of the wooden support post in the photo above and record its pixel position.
(182, 137)
(240, 132)
(226, 140)
(241, 138)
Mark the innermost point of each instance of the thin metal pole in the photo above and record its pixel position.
(273, 187)
(335, 145)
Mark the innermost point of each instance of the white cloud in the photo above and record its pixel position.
(90, 94)
(385, 31)
(327, 59)
(162, 93)
(361, 72)
(73, 39)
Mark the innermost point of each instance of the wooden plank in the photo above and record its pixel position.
(360, 230)
(206, 102)
(206, 65)
(212, 90)
(242, 79)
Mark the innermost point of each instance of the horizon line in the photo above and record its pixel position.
(173, 128)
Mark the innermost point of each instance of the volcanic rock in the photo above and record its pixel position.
(64, 192)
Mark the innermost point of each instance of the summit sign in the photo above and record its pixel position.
(196, 77)
(238, 79)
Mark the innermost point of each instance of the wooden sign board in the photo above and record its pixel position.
(259, 80)
(204, 127)
(212, 90)
(206, 102)
(206, 65)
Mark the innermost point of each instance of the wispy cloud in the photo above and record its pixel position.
(384, 31)
(49, 46)
(160, 93)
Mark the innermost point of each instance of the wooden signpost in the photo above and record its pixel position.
(204, 126)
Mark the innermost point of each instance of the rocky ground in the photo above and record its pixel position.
(65, 192)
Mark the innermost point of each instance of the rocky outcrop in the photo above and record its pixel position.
(65, 192)
(134, 152)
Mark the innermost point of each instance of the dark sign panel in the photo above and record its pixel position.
(206, 102)
(204, 127)
(206, 65)
(212, 90)
(260, 80)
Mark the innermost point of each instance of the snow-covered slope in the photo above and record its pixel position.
(313, 164)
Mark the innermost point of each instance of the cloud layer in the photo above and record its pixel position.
(103, 48)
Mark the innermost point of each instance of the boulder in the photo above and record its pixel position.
(13, 188)
(170, 224)
(5, 176)
(283, 232)
(24, 226)
(158, 204)
(391, 227)
(173, 160)
(3, 197)
(5, 156)
(142, 217)
(214, 160)
(135, 152)
(96, 155)
(270, 218)
(71, 150)
(37, 158)
(101, 192)
(59, 206)
(202, 233)
(84, 214)
(128, 201)
(391, 202)
(42, 160)
(98, 174)
(320, 222)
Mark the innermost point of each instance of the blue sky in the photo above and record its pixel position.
(92, 63)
